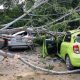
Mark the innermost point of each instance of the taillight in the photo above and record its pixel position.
(76, 49)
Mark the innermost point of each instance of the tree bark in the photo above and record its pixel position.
(5, 54)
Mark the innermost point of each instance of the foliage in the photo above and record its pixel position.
(50, 11)
(29, 4)
(11, 14)
(74, 15)
(59, 27)
(44, 14)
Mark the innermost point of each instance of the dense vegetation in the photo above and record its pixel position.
(45, 14)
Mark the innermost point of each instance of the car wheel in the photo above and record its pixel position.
(68, 63)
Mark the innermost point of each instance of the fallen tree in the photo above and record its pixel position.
(36, 5)
(11, 31)
(62, 17)
(27, 62)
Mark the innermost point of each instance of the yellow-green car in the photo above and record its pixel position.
(70, 49)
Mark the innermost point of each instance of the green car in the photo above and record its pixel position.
(70, 49)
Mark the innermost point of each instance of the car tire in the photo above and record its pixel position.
(68, 63)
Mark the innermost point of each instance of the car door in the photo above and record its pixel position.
(65, 45)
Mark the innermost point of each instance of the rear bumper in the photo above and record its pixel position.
(19, 46)
(19, 43)
(75, 60)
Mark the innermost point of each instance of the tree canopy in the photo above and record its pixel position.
(45, 14)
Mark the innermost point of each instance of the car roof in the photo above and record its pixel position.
(18, 33)
(73, 31)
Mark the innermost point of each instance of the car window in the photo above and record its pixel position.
(67, 38)
(24, 33)
(78, 38)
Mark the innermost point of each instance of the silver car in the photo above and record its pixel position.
(21, 39)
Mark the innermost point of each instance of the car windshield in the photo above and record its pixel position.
(78, 38)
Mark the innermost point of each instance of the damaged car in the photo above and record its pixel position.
(22, 39)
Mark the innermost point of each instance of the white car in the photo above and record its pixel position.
(21, 39)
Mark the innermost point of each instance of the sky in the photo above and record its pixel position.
(1, 7)
(20, 1)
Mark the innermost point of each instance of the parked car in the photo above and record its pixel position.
(21, 39)
(70, 49)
